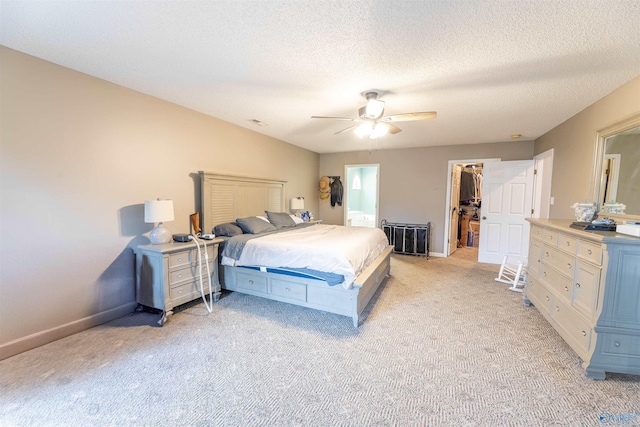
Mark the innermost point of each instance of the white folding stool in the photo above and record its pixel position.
(513, 271)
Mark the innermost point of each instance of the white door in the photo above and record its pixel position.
(454, 208)
(507, 190)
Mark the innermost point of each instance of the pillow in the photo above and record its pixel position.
(280, 219)
(254, 225)
(264, 218)
(297, 219)
(228, 229)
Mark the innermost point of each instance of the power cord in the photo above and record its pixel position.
(208, 305)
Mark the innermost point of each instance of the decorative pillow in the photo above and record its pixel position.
(264, 218)
(254, 225)
(296, 219)
(280, 219)
(228, 229)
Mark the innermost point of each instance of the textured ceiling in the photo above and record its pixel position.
(489, 68)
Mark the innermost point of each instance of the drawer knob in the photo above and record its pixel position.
(557, 308)
(251, 282)
(566, 288)
(179, 259)
(568, 243)
(616, 344)
(547, 297)
(577, 285)
(546, 254)
(584, 334)
(589, 251)
(568, 265)
(179, 275)
(544, 273)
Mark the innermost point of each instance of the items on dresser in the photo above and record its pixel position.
(167, 275)
(587, 285)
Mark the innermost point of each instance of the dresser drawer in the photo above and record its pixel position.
(567, 243)
(289, 290)
(621, 344)
(558, 282)
(562, 262)
(540, 296)
(586, 287)
(551, 237)
(577, 329)
(249, 282)
(590, 252)
(537, 232)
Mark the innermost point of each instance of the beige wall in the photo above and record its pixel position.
(79, 156)
(413, 182)
(574, 143)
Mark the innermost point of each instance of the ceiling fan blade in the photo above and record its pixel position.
(334, 118)
(407, 117)
(347, 129)
(392, 129)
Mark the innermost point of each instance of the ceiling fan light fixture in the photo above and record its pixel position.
(364, 129)
(374, 109)
(379, 130)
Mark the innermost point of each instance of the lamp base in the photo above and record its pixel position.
(160, 235)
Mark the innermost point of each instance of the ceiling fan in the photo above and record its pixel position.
(372, 123)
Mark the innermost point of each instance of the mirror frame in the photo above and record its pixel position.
(596, 181)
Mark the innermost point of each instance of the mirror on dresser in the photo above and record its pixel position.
(616, 175)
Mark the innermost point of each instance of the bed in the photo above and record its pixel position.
(227, 198)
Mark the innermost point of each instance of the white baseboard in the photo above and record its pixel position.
(44, 337)
(437, 254)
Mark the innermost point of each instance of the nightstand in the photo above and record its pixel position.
(168, 275)
(314, 221)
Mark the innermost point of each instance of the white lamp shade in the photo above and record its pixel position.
(297, 203)
(158, 210)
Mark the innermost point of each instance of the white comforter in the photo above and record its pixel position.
(328, 248)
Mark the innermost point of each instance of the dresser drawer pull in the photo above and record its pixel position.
(616, 344)
(547, 297)
(577, 285)
(251, 282)
(568, 243)
(566, 288)
(568, 265)
(179, 275)
(584, 334)
(179, 259)
(546, 254)
(544, 273)
(589, 251)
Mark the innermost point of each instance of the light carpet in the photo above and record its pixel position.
(442, 344)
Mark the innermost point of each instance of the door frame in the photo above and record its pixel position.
(447, 220)
(347, 190)
(542, 184)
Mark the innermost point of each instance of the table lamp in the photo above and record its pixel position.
(297, 204)
(159, 211)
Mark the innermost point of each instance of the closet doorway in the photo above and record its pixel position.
(361, 195)
(464, 202)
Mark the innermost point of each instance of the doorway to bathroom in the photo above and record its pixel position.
(361, 195)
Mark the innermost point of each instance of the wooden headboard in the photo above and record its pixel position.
(227, 197)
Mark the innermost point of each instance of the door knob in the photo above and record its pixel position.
(484, 217)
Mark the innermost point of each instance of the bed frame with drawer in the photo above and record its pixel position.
(227, 197)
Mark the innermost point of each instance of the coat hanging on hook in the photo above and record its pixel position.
(336, 191)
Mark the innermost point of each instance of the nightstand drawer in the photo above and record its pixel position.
(190, 256)
(189, 273)
(289, 290)
(187, 289)
(251, 283)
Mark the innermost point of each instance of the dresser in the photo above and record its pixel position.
(587, 285)
(168, 275)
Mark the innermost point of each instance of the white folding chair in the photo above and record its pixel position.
(513, 271)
